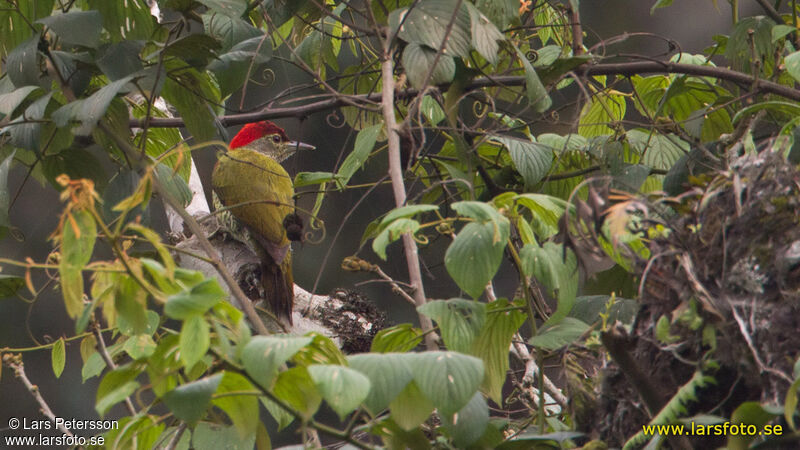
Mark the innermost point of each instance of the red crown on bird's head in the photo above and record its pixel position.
(254, 131)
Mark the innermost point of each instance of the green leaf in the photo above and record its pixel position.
(192, 94)
(263, 356)
(312, 178)
(140, 346)
(240, 63)
(22, 63)
(321, 350)
(76, 27)
(15, 21)
(126, 20)
(629, 177)
(751, 38)
(467, 425)
(459, 320)
(281, 416)
(130, 301)
(155, 240)
(391, 233)
(116, 386)
(475, 255)
(140, 432)
(189, 402)
(379, 225)
(230, 8)
(537, 94)
(406, 211)
(365, 142)
(790, 404)
(295, 387)
(10, 101)
(747, 414)
(501, 12)
(428, 24)
(26, 131)
(660, 4)
(480, 211)
(432, 110)
(786, 108)
(195, 300)
(662, 331)
(531, 159)
(5, 223)
(396, 437)
(553, 337)
(493, 342)
(411, 407)
(229, 30)
(588, 309)
(418, 61)
(10, 284)
(388, 375)
(93, 366)
(78, 236)
(281, 11)
(89, 110)
(322, 45)
(342, 388)
(693, 102)
(546, 212)
(599, 113)
(164, 364)
(781, 30)
(159, 274)
(447, 379)
(399, 338)
(212, 436)
(484, 35)
(58, 357)
(75, 162)
(657, 151)
(174, 185)
(184, 442)
(240, 405)
(558, 276)
(196, 49)
(194, 340)
(546, 56)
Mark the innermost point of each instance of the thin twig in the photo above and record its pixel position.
(15, 363)
(173, 443)
(101, 348)
(395, 285)
(531, 369)
(749, 340)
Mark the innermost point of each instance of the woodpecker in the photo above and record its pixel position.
(257, 195)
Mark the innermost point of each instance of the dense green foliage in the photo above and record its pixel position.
(465, 84)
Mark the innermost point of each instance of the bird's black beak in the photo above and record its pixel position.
(294, 145)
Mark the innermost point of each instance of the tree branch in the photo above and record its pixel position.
(588, 69)
(771, 12)
(399, 189)
(15, 363)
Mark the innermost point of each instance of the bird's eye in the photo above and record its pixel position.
(275, 138)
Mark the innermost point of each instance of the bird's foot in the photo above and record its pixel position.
(249, 277)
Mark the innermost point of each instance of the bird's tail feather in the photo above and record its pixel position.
(278, 286)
